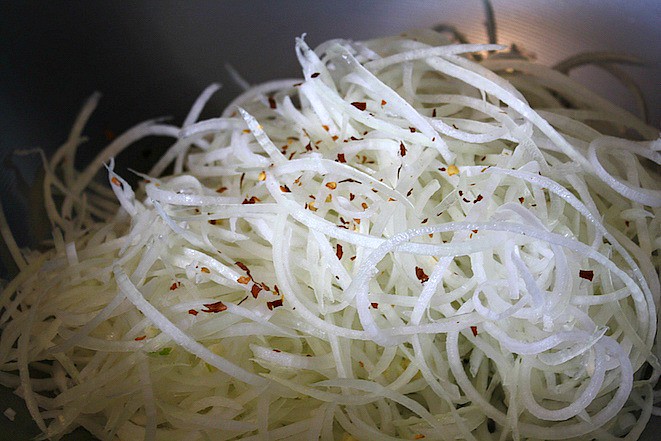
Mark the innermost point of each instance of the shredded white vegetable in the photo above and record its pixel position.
(411, 242)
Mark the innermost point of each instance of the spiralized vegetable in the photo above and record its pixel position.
(405, 244)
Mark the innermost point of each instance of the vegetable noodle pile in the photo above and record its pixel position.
(417, 240)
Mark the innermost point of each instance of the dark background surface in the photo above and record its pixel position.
(152, 58)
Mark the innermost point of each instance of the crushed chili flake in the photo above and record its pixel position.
(364, 205)
(308, 147)
(352, 258)
(212, 221)
(314, 75)
(442, 169)
(356, 220)
(243, 176)
(243, 280)
(586, 274)
(116, 181)
(384, 102)
(420, 274)
(419, 436)
(285, 189)
(334, 137)
(474, 330)
(246, 130)
(221, 189)
(412, 129)
(478, 198)
(391, 199)
(274, 304)
(338, 251)
(255, 290)
(348, 180)
(474, 231)
(243, 266)
(409, 193)
(352, 196)
(433, 112)
(331, 185)
(326, 128)
(277, 350)
(276, 290)
(272, 103)
(142, 337)
(264, 286)
(453, 170)
(425, 220)
(175, 285)
(192, 312)
(402, 149)
(341, 158)
(361, 364)
(214, 307)
(375, 305)
(360, 105)
(252, 200)
(205, 270)
(522, 199)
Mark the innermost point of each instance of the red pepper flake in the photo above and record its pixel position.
(255, 290)
(627, 223)
(285, 189)
(419, 436)
(356, 220)
(341, 158)
(326, 128)
(272, 103)
(308, 147)
(214, 307)
(314, 75)
(291, 155)
(243, 280)
(522, 199)
(213, 221)
(412, 129)
(586, 274)
(338, 251)
(221, 189)
(352, 258)
(474, 330)
(193, 312)
(442, 169)
(474, 231)
(331, 185)
(384, 102)
(251, 201)
(420, 274)
(402, 149)
(375, 305)
(425, 220)
(274, 304)
(277, 350)
(243, 176)
(409, 193)
(433, 112)
(142, 337)
(364, 205)
(205, 270)
(360, 105)
(243, 266)
(478, 198)
(276, 290)
(361, 364)
(352, 196)
(175, 285)
(116, 181)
